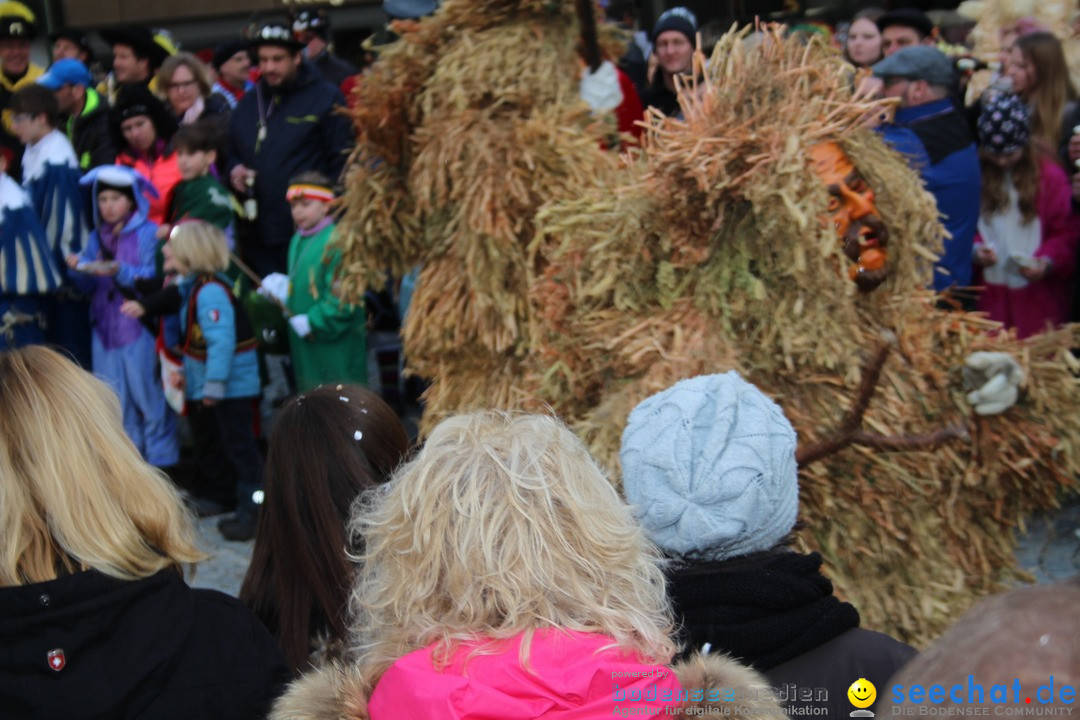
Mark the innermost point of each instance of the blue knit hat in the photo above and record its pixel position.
(709, 468)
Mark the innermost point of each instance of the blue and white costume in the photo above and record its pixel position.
(28, 271)
(51, 179)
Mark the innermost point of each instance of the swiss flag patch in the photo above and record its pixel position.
(57, 661)
(215, 315)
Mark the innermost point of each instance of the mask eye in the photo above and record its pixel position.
(858, 185)
(834, 203)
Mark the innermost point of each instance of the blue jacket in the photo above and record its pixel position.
(938, 144)
(225, 371)
(304, 131)
(135, 251)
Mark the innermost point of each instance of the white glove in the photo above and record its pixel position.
(997, 377)
(600, 89)
(301, 325)
(275, 286)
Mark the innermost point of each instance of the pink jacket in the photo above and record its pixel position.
(1030, 309)
(572, 676)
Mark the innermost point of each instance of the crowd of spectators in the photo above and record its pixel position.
(998, 167)
(88, 268)
(265, 110)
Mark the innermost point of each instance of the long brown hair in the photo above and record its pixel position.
(327, 447)
(1025, 176)
(1052, 89)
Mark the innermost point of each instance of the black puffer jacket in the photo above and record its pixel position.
(90, 646)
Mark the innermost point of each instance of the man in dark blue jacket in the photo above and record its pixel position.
(287, 125)
(937, 141)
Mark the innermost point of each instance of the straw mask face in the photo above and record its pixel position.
(853, 214)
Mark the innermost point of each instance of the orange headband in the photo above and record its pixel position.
(312, 192)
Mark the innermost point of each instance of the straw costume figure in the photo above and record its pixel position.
(770, 232)
(467, 125)
(550, 275)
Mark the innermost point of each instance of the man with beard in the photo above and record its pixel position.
(286, 125)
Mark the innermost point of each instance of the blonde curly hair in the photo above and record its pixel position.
(503, 524)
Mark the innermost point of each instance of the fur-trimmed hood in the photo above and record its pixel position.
(712, 682)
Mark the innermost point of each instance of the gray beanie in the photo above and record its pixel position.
(709, 468)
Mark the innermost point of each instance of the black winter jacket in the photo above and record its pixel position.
(90, 646)
(304, 131)
(775, 611)
(89, 133)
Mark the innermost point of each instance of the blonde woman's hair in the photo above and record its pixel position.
(503, 524)
(199, 246)
(74, 492)
(197, 67)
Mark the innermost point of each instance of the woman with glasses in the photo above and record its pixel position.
(185, 82)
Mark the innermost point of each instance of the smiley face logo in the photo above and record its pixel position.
(862, 693)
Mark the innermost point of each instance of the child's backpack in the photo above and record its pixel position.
(195, 341)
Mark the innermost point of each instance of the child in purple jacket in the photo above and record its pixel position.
(118, 252)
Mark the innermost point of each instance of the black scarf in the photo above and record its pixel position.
(764, 609)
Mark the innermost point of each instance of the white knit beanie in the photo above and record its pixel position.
(709, 468)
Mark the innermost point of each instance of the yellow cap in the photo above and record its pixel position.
(17, 9)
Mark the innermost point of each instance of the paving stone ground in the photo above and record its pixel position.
(228, 561)
(1050, 549)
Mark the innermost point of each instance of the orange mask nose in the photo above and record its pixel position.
(860, 204)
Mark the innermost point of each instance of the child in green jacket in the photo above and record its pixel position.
(327, 336)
